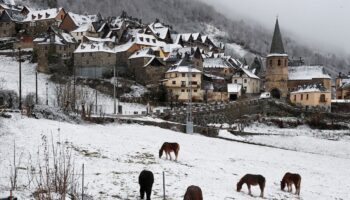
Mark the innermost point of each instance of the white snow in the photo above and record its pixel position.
(307, 73)
(213, 164)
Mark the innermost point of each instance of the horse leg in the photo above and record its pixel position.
(148, 193)
(170, 156)
(261, 190)
(142, 192)
(166, 155)
(176, 154)
(249, 191)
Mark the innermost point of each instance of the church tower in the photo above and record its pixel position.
(276, 76)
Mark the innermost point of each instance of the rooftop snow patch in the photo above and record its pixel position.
(234, 88)
(307, 73)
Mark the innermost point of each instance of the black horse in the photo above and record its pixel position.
(146, 180)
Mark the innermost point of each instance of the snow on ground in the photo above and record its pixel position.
(302, 138)
(213, 164)
(9, 71)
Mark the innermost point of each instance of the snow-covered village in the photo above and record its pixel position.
(170, 100)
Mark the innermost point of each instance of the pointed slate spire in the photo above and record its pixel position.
(277, 44)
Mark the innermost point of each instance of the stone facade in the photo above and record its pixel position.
(312, 99)
(7, 29)
(276, 78)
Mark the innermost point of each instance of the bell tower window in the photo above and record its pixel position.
(270, 63)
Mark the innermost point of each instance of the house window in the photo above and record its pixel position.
(183, 75)
(182, 90)
(147, 39)
(109, 55)
(307, 96)
(194, 90)
(323, 98)
(271, 63)
(235, 81)
(279, 62)
(90, 54)
(174, 82)
(183, 83)
(32, 24)
(141, 38)
(301, 97)
(295, 97)
(45, 47)
(193, 75)
(245, 80)
(285, 63)
(154, 40)
(4, 31)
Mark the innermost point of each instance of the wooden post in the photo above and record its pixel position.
(163, 185)
(36, 88)
(82, 185)
(20, 78)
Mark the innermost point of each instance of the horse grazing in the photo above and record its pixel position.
(146, 180)
(193, 193)
(252, 179)
(289, 179)
(168, 148)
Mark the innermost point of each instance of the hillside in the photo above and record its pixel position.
(194, 16)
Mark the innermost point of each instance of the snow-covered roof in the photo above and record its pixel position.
(159, 29)
(234, 88)
(213, 76)
(82, 19)
(94, 47)
(183, 69)
(124, 47)
(83, 28)
(307, 73)
(95, 39)
(277, 54)
(148, 40)
(142, 53)
(310, 88)
(216, 63)
(37, 15)
(60, 38)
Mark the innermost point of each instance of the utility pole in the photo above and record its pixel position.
(82, 184)
(163, 185)
(95, 94)
(114, 92)
(36, 87)
(20, 78)
(189, 121)
(47, 93)
(74, 89)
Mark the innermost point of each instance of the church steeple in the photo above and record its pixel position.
(277, 44)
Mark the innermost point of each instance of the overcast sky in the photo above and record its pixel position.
(322, 22)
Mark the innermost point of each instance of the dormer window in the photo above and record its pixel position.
(154, 40)
(141, 38)
(33, 16)
(147, 39)
(39, 16)
(47, 15)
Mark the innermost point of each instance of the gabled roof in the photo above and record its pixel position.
(159, 30)
(148, 40)
(92, 47)
(37, 15)
(82, 19)
(310, 88)
(11, 16)
(246, 71)
(143, 53)
(277, 43)
(307, 73)
(154, 61)
(216, 63)
(56, 36)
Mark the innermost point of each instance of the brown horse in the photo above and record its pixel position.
(168, 148)
(252, 179)
(289, 179)
(193, 193)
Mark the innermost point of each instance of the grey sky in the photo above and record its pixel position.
(325, 23)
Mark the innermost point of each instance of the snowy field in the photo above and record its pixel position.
(213, 164)
(9, 72)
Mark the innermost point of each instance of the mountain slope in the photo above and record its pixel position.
(195, 16)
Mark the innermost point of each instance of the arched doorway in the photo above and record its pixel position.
(275, 93)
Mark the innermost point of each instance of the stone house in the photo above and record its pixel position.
(219, 67)
(79, 25)
(39, 21)
(54, 47)
(312, 96)
(193, 54)
(146, 67)
(234, 91)
(94, 59)
(251, 84)
(8, 22)
(342, 86)
(177, 82)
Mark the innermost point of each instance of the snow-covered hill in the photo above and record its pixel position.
(213, 164)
